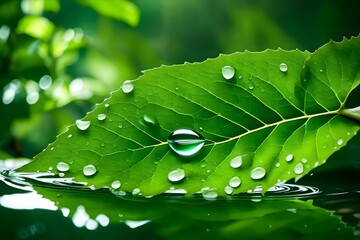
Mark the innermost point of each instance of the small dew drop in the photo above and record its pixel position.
(289, 157)
(89, 170)
(283, 67)
(251, 85)
(186, 142)
(116, 184)
(120, 125)
(62, 167)
(107, 105)
(240, 77)
(149, 120)
(304, 160)
(236, 162)
(176, 175)
(234, 182)
(340, 142)
(136, 192)
(228, 72)
(299, 168)
(258, 173)
(127, 86)
(228, 190)
(82, 125)
(203, 165)
(277, 165)
(70, 135)
(101, 117)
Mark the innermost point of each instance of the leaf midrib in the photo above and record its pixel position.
(335, 112)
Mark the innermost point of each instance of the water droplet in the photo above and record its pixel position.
(82, 125)
(299, 168)
(62, 167)
(304, 160)
(240, 77)
(127, 86)
(289, 158)
(61, 174)
(89, 170)
(203, 165)
(101, 117)
(176, 175)
(228, 72)
(120, 125)
(149, 120)
(277, 165)
(52, 148)
(235, 182)
(228, 190)
(116, 184)
(209, 193)
(186, 142)
(283, 67)
(136, 192)
(107, 105)
(258, 173)
(321, 70)
(251, 85)
(70, 135)
(340, 141)
(236, 162)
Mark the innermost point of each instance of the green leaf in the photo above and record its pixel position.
(36, 26)
(118, 9)
(284, 122)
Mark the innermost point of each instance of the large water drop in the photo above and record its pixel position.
(258, 173)
(289, 157)
(283, 67)
(101, 117)
(209, 194)
(127, 86)
(89, 170)
(186, 142)
(116, 184)
(82, 125)
(236, 162)
(228, 72)
(299, 168)
(62, 167)
(176, 175)
(235, 182)
(228, 190)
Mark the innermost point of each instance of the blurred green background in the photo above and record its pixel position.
(58, 58)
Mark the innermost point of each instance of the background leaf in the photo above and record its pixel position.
(124, 10)
(262, 114)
